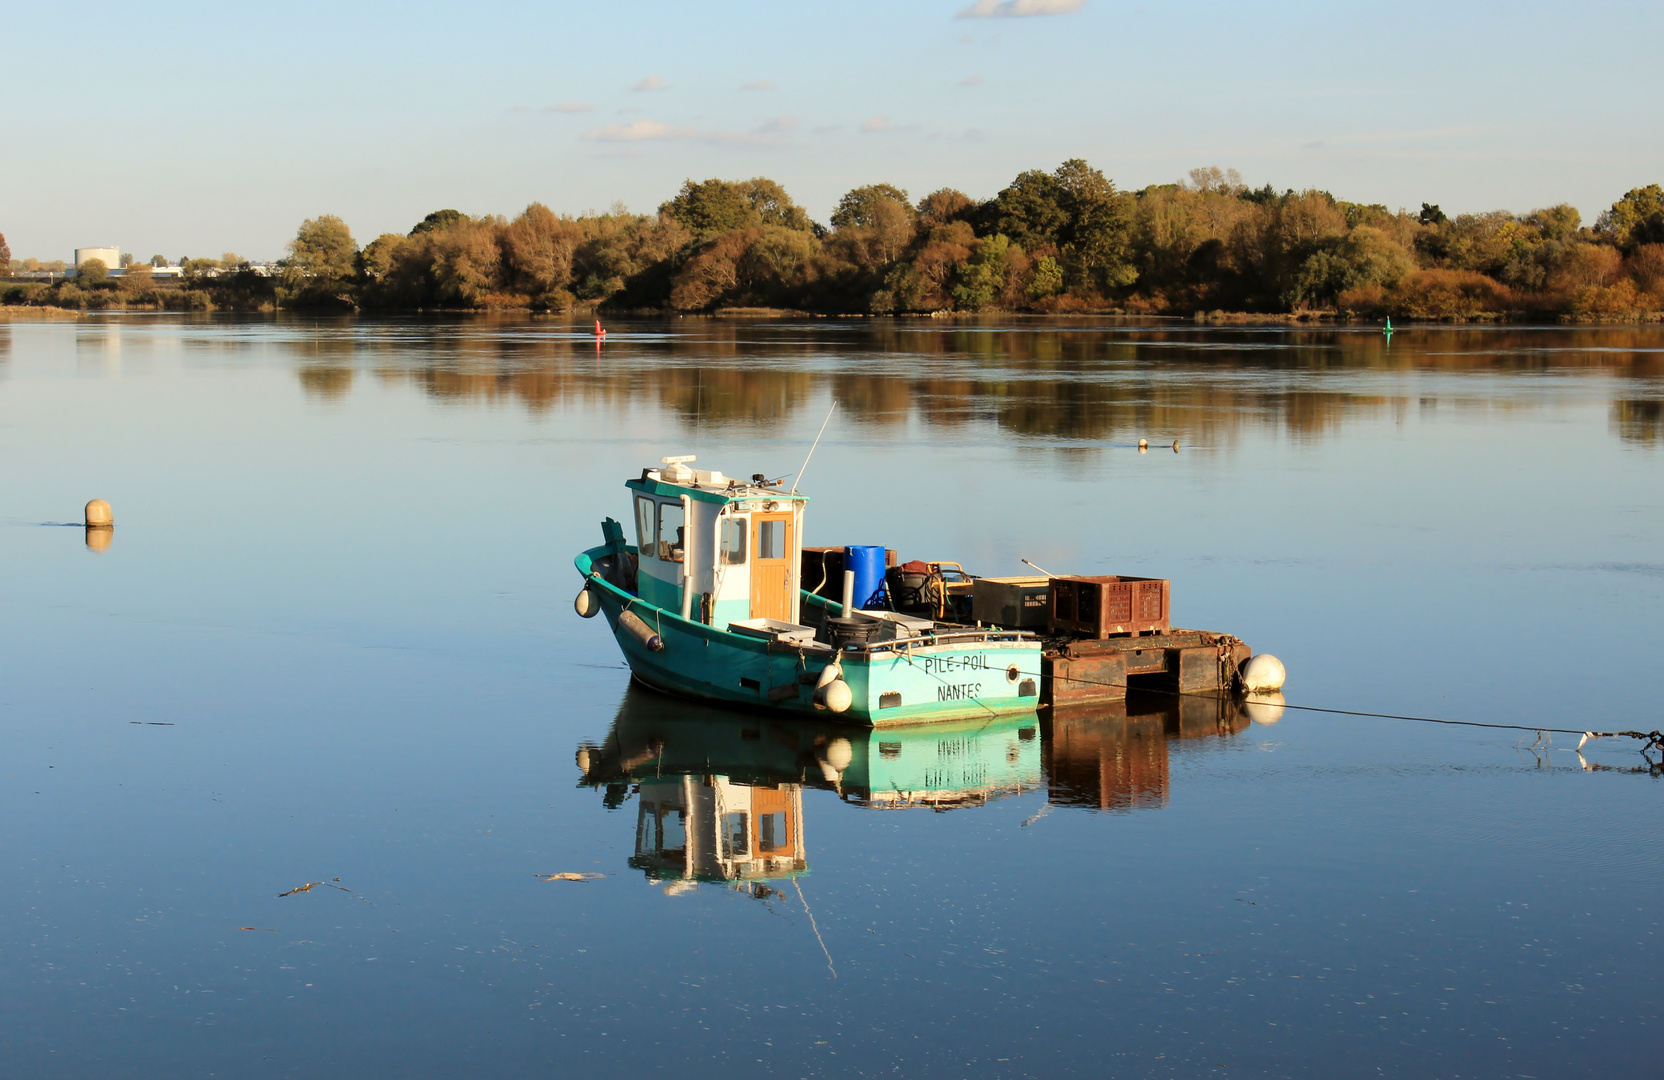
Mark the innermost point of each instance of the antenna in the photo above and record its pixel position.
(822, 431)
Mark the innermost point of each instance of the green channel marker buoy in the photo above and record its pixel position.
(1388, 330)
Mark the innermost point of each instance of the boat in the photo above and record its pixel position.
(709, 604)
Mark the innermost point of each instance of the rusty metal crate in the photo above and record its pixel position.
(1101, 607)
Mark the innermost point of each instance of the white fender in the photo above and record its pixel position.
(838, 696)
(588, 605)
(632, 624)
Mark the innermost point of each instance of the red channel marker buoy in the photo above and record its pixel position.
(598, 331)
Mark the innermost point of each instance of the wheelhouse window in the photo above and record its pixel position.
(736, 837)
(771, 539)
(644, 526)
(733, 541)
(672, 526)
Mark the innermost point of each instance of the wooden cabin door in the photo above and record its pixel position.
(771, 566)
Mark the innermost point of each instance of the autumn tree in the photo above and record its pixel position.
(91, 273)
(323, 247)
(874, 225)
(5, 257)
(1635, 219)
(322, 259)
(943, 206)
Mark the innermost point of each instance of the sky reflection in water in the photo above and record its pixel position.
(331, 637)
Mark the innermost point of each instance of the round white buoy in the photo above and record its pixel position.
(838, 696)
(838, 753)
(587, 603)
(1175, 446)
(1143, 444)
(98, 515)
(1266, 708)
(1262, 673)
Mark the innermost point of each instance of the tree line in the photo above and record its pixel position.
(1057, 242)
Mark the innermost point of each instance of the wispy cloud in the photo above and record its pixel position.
(878, 123)
(645, 130)
(1016, 9)
(971, 80)
(652, 82)
(570, 107)
(760, 84)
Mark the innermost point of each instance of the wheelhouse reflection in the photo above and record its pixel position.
(719, 794)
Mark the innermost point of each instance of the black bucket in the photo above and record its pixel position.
(840, 631)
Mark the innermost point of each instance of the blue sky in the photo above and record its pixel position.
(195, 128)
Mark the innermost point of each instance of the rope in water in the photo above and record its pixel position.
(1653, 739)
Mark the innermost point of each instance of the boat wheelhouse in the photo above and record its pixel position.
(708, 603)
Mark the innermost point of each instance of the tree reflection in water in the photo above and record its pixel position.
(1060, 379)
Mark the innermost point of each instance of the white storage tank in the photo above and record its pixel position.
(111, 257)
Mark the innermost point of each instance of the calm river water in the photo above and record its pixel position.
(332, 643)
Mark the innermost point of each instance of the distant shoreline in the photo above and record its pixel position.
(1067, 242)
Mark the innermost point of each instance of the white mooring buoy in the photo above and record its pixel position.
(98, 515)
(1262, 674)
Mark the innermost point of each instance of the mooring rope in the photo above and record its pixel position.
(1653, 739)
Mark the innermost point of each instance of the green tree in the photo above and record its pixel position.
(5, 257)
(1096, 242)
(1030, 210)
(716, 206)
(439, 219)
(983, 280)
(1366, 256)
(1078, 211)
(1635, 219)
(1431, 214)
(323, 249)
(158, 260)
(91, 273)
(1047, 280)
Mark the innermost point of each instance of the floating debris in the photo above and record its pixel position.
(264, 929)
(309, 886)
(569, 876)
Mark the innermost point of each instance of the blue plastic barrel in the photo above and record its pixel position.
(868, 563)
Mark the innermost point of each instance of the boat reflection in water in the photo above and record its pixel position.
(720, 794)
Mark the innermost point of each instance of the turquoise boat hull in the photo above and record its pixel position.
(959, 676)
